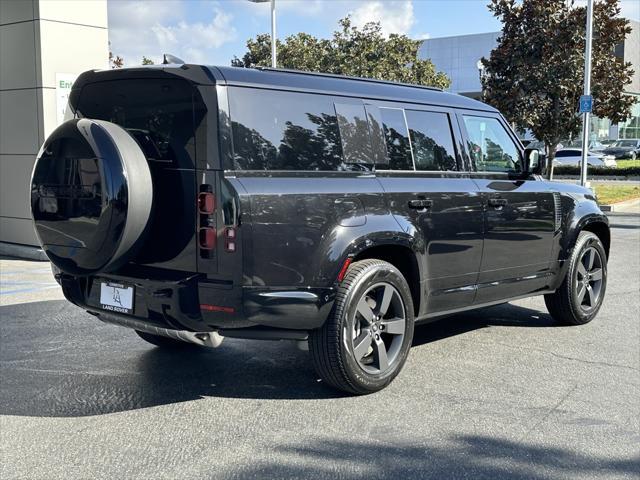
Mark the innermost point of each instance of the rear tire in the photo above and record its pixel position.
(166, 342)
(365, 342)
(580, 296)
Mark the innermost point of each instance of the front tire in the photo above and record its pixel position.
(580, 296)
(365, 342)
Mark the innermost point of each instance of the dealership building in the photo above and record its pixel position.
(46, 44)
(458, 57)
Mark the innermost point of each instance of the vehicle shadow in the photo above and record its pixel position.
(505, 315)
(58, 361)
(461, 456)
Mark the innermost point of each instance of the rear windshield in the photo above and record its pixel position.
(158, 113)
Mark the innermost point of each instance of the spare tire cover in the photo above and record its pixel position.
(91, 196)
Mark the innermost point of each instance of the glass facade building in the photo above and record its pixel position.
(458, 57)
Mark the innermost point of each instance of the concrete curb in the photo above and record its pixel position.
(26, 252)
(632, 205)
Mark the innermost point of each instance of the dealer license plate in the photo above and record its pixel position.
(116, 297)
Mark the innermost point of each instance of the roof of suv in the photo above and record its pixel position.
(290, 80)
(343, 85)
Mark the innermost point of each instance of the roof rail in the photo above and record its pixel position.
(333, 75)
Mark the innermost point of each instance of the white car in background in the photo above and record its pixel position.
(573, 157)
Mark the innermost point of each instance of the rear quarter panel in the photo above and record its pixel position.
(303, 226)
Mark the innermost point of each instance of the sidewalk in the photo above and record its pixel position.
(628, 206)
(24, 281)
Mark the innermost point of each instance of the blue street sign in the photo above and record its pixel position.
(586, 103)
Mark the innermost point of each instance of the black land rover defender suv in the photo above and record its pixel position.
(192, 203)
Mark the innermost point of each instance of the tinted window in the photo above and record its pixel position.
(431, 140)
(377, 136)
(275, 130)
(566, 153)
(159, 114)
(490, 146)
(397, 139)
(354, 134)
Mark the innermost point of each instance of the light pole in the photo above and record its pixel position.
(274, 62)
(585, 100)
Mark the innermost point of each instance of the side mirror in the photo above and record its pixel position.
(536, 164)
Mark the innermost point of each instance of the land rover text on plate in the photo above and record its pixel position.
(192, 203)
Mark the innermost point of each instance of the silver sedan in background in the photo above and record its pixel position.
(573, 156)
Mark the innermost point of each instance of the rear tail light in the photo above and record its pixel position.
(207, 233)
(207, 238)
(206, 203)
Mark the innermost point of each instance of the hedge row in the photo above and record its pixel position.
(605, 172)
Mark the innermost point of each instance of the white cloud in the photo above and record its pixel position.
(192, 40)
(144, 28)
(394, 16)
(628, 8)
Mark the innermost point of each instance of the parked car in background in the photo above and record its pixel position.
(573, 157)
(539, 145)
(594, 145)
(626, 148)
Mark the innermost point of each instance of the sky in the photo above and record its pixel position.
(213, 32)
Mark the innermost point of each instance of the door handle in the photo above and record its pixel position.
(497, 202)
(420, 204)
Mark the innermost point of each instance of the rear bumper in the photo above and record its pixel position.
(194, 304)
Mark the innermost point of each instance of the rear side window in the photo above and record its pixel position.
(274, 130)
(354, 136)
(158, 113)
(431, 140)
(396, 137)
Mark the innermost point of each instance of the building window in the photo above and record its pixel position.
(631, 127)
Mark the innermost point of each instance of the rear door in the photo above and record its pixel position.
(163, 115)
(519, 212)
(427, 188)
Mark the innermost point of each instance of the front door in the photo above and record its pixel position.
(519, 213)
(426, 190)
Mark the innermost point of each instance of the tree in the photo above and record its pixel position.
(115, 61)
(147, 61)
(535, 75)
(360, 52)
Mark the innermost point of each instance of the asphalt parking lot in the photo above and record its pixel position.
(498, 393)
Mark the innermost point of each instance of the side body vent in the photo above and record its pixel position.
(557, 204)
